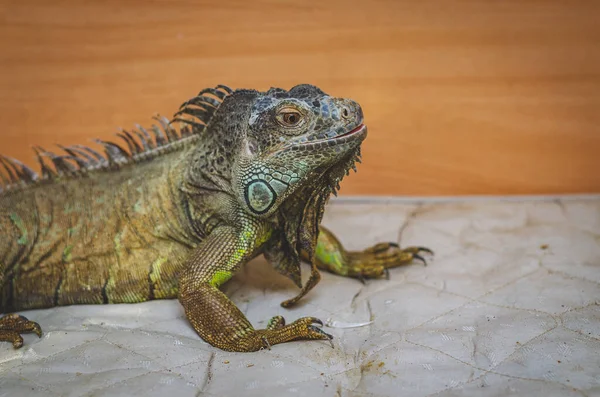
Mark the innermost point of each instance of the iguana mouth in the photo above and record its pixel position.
(357, 133)
(352, 132)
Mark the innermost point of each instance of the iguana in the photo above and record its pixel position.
(175, 211)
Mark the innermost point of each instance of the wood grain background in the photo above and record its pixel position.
(461, 97)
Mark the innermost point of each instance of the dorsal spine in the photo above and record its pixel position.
(192, 119)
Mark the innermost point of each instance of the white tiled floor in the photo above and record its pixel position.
(509, 306)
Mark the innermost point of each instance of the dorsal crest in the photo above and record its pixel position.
(135, 145)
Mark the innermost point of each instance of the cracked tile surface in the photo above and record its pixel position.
(510, 305)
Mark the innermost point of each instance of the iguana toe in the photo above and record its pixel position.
(276, 322)
(13, 325)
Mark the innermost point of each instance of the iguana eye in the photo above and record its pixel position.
(290, 117)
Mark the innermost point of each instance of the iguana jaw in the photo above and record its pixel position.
(359, 133)
(352, 137)
(354, 131)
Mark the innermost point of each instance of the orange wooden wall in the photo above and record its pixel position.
(461, 97)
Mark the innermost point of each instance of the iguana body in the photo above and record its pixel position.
(175, 216)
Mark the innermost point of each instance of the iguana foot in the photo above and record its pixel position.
(301, 329)
(219, 322)
(373, 262)
(276, 332)
(13, 325)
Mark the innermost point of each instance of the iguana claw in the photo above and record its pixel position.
(419, 257)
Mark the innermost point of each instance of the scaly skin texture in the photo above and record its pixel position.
(247, 173)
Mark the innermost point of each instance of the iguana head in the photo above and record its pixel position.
(292, 138)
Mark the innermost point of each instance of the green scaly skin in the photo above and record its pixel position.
(175, 216)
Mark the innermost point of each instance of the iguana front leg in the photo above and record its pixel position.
(214, 317)
(373, 262)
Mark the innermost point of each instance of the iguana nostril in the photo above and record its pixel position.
(345, 113)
